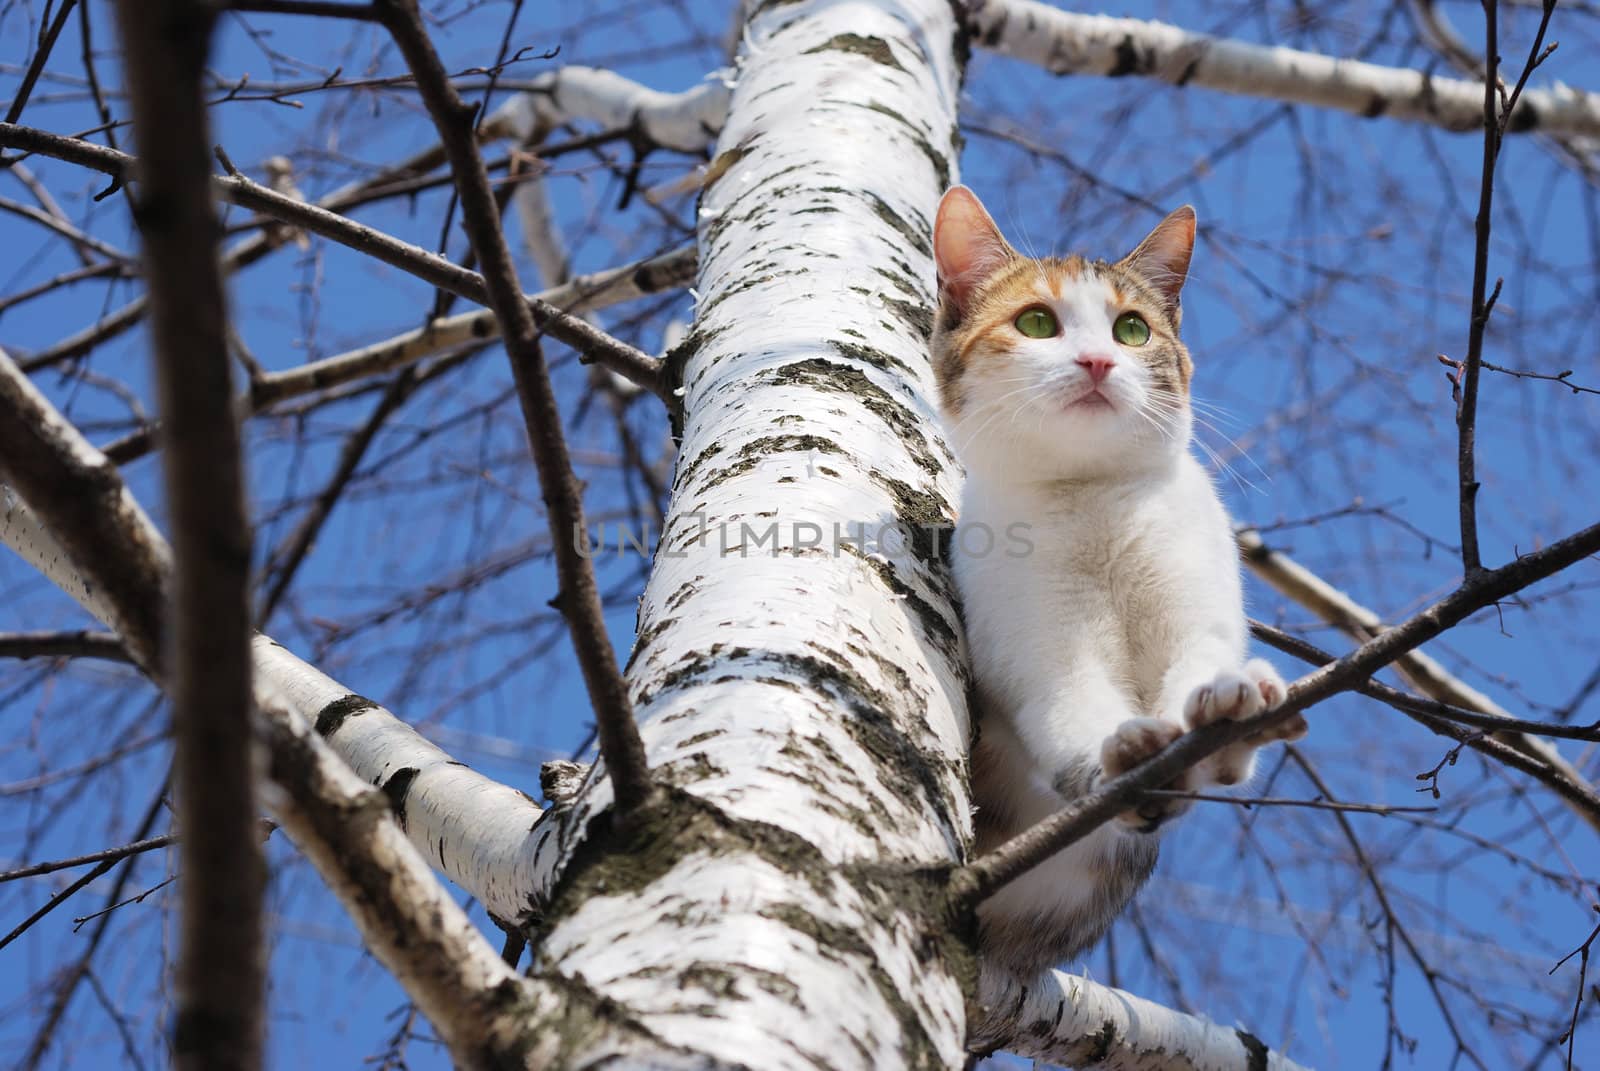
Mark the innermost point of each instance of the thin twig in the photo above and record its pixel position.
(1416, 668)
(285, 563)
(1467, 403)
(47, 42)
(1582, 952)
(1278, 801)
(1559, 777)
(591, 343)
(105, 855)
(73, 975)
(579, 598)
(1431, 708)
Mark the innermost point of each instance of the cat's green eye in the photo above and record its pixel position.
(1131, 330)
(1037, 323)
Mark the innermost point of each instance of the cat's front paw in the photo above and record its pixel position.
(1229, 696)
(1234, 695)
(1134, 741)
(1273, 691)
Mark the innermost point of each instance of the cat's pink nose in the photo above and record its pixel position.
(1098, 365)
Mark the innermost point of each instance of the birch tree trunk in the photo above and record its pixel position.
(800, 684)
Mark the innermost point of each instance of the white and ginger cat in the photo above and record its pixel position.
(1066, 390)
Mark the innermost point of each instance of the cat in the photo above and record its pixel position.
(1065, 388)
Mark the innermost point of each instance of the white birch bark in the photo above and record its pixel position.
(686, 121)
(1074, 1022)
(1065, 42)
(805, 706)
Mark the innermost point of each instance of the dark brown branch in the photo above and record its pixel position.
(1467, 405)
(1017, 856)
(240, 256)
(1494, 128)
(99, 269)
(1582, 952)
(1274, 801)
(1420, 705)
(63, 645)
(56, 901)
(221, 974)
(1440, 718)
(80, 241)
(47, 42)
(579, 598)
(324, 8)
(593, 344)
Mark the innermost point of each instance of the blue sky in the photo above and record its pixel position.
(1333, 265)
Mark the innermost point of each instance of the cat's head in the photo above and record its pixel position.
(1060, 368)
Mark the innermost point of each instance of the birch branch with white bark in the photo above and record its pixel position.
(1066, 42)
(686, 121)
(485, 1013)
(1064, 1019)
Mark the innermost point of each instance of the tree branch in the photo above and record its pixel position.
(79, 644)
(1560, 777)
(1020, 854)
(41, 55)
(121, 561)
(1300, 584)
(221, 972)
(1073, 1021)
(342, 824)
(1064, 42)
(453, 334)
(579, 598)
(591, 343)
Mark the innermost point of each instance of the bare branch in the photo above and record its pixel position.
(410, 922)
(595, 345)
(579, 599)
(1065, 42)
(452, 335)
(1274, 801)
(41, 55)
(62, 645)
(1074, 1021)
(1424, 674)
(221, 974)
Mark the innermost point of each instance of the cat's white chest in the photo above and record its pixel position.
(1104, 573)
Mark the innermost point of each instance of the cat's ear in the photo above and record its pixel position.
(967, 246)
(1163, 257)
